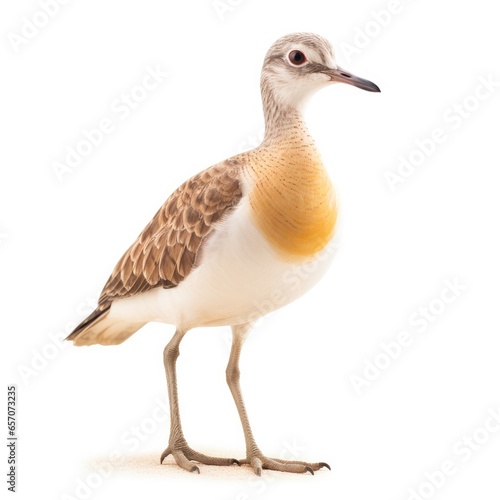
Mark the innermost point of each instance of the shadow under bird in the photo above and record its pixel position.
(223, 242)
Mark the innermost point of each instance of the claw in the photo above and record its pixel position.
(234, 461)
(324, 464)
(164, 455)
(309, 469)
(257, 465)
(196, 469)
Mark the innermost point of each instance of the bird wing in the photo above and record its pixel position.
(169, 246)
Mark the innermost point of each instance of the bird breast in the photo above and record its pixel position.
(292, 199)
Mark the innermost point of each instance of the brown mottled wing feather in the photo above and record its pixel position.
(168, 248)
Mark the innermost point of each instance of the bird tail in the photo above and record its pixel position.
(101, 328)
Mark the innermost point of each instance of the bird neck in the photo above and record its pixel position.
(283, 125)
(282, 121)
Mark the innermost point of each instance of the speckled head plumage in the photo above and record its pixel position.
(295, 67)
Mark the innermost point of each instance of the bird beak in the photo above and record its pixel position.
(340, 75)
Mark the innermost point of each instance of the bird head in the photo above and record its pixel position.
(299, 64)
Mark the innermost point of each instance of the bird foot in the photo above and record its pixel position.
(258, 462)
(185, 457)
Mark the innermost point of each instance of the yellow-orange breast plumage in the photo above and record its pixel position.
(292, 198)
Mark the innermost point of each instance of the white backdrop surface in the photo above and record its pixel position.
(388, 370)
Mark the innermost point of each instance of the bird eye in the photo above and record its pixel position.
(296, 57)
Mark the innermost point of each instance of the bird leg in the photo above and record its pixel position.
(177, 444)
(255, 457)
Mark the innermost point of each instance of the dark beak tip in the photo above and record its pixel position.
(341, 76)
(369, 86)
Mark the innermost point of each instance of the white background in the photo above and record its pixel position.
(60, 240)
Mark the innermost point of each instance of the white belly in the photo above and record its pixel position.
(240, 278)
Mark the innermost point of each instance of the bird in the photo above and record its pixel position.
(228, 239)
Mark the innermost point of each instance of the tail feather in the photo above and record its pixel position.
(101, 328)
(88, 321)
